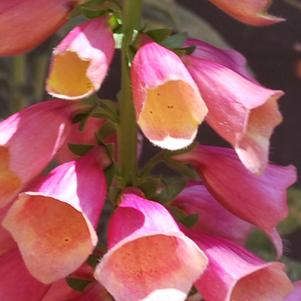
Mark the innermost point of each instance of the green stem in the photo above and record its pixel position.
(127, 138)
(18, 82)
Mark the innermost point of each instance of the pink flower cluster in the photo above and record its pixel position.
(49, 220)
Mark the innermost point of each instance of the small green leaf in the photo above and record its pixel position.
(175, 41)
(173, 186)
(80, 149)
(159, 35)
(77, 284)
(105, 131)
(182, 217)
(190, 220)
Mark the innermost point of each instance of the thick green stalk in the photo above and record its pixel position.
(127, 138)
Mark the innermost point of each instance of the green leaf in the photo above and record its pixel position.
(182, 217)
(173, 186)
(159, 35)
(77, 284)
(80, 149)
(105, 131)
(175, 41)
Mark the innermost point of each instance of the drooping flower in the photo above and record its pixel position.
(27, 146)
(234, 274)
(81, 61)
(260, 200)
(168, 105)
(149, 258)
(251, 12)
(53, 223)
(214, 219)
(25, 24)
(239, 109)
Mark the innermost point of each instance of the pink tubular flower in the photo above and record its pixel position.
(25, 24)
(260, 200)
(53, 224)
(239, 109)
(27, 146)
(149, 258)
(234, 274)
(168, 105)
(214, 219)
(251, 12)
(295, 295)
(81, 61)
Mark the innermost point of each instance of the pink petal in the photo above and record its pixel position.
(81, 61)
(53, 224)
(149, 258)
(229, 58)
(26, 147)
(25, 24)
(260, 200)
(214, 219)
(240, 110)
(168, 105)
(16, 283)
(251, 12)
(295, 295)
(234, 274)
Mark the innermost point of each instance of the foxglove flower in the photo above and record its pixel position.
(26, 147)
(81, 61)
(260, 200)
(234, 274)
(214, 219)
(168, 105)
(251, 12)
(53, 223)
(239, 109)
(149, 258)
(25, 24)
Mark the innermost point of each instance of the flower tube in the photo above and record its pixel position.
(149, 258)
(81, 61)
(168, 105)
(26, 148)
(251, 12)
(260, 200)
(239, 109)
(53, 223)
(25, 24)
(234, 274)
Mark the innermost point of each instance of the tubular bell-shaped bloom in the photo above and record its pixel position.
(260, 200)
(53, 223)
(239, 109)
(149, 258)
(214, 219)
(295, 295)
(251, 12)
(81, 61)
(26, 147)
(25, 24)
(234, 274)
(168, 105)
